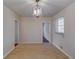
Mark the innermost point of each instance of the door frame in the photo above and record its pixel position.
(17, 21)
(49, 35)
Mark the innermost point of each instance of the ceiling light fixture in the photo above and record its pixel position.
(37, 10)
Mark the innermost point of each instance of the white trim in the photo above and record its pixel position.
(8, 52)
(18, 30)
(62, 50)
(30, 42)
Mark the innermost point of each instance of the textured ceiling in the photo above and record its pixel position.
(25, 7)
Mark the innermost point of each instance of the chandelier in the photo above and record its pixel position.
(37, 10)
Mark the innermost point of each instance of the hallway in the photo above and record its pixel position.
(36, 51)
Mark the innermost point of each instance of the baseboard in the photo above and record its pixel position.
(8, 52)
(30, 42)
(62, 51)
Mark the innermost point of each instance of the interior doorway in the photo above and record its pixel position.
(45, 33)
(16, 32)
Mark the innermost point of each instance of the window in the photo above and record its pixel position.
(60, 25)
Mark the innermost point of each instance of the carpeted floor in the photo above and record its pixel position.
(36, 51)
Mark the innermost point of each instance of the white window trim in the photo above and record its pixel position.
(57, 26)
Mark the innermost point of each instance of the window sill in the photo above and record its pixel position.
(60, 33)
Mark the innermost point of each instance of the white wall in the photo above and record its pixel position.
(9, 18)
(31, 29)
(68, 40)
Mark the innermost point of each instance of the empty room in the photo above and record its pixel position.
(39, 29)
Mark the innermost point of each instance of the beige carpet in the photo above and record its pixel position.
(36, 51)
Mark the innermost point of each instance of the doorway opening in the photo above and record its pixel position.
(16, 33)
(45, 33)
